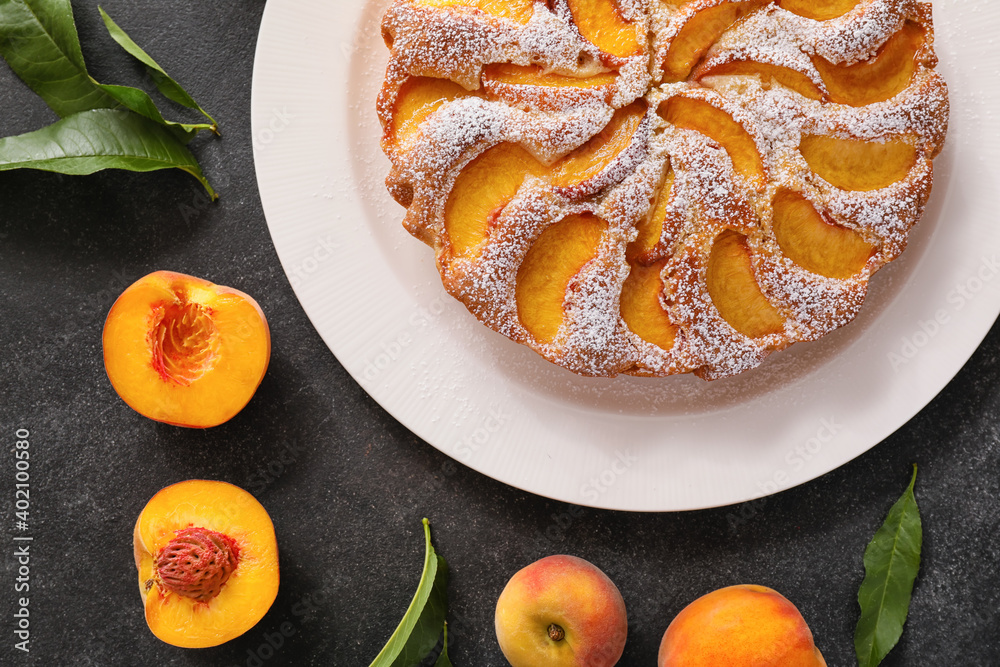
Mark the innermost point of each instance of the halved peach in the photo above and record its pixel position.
(578, 172)
(734, 289)
(698, 115)
(853, 164)
(181, 350)
(481, 191)
(878, 79)
(650, 228)
(814, 242)
(207, 561)
(785, 76)
(642, 309)
(530, 85)
(700, 32)
(516, 10)
(601, 23)
(417, 99)
(821, 10)
(548, 269)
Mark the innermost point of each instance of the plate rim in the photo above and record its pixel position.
(273, 154)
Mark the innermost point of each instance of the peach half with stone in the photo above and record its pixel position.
(181, 350)
(208, 563)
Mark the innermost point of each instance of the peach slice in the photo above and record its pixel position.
(814, 242)
(698, 115)
(852, 164)
(529, 85)
(515, 10)
(785, 76)
(698, 35)
(878, 79)
(641, 307)
(601, 23)
(578, 172)
(734, 289)
(181, 350)
(821, 10)
(417, 99)
(481, 191)
(548, 269)
(650, 228)
(207, 561)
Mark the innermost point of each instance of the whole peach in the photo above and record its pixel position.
(739, 626)
(561, 611)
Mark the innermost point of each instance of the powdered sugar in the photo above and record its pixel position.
(708, 194)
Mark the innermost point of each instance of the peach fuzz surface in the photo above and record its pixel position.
(561, 611)
(739, 626)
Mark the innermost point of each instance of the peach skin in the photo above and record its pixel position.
(739, 626)
(561, 611)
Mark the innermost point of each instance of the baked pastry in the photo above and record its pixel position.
(655, 187)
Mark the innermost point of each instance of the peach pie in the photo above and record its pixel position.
(655, 187)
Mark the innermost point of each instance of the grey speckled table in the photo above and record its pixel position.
(348, 485)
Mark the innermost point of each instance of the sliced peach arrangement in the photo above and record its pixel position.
(854, 164)
(208, 563)
(701, 31)
(490, 181)
(734, 289)
(878, 79)
(181, 350)
(642, 309)
(601, 23)
(548, 269)
(696, 114)
(815, 242)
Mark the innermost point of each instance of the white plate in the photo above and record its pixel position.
(626, 443)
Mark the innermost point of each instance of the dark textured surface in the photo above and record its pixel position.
(348, 485)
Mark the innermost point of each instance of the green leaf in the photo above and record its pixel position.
(418, 632)
(91, 141)
(141, 103)
(443, 659)
(892, 561)
(38, 39)
(166, 85)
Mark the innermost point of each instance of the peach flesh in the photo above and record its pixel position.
(602, 24)
(698, 35)
(207, 562)
(183, 351)
(698, 115)
(852, 164)
(548, 270)
(733, 288)
(820, 10)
